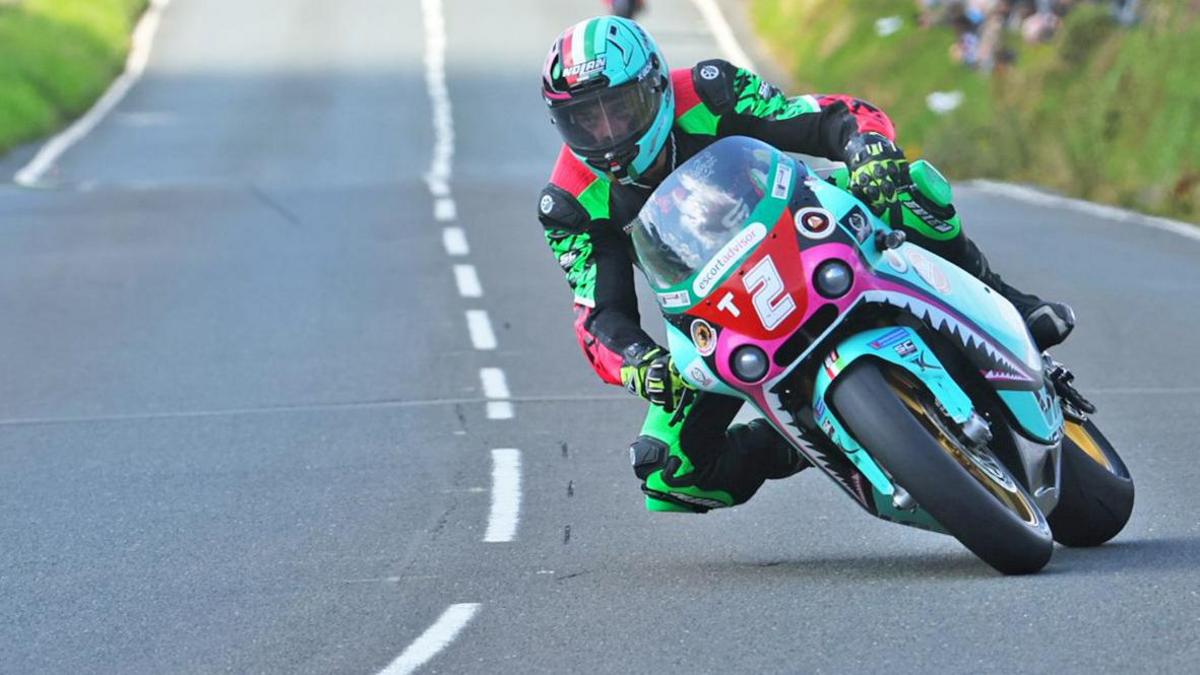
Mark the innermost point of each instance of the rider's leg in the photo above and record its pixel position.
(692, 462)
(930, 219)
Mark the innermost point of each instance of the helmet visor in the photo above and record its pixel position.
(607, 119)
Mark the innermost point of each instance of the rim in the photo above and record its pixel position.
(979, 463)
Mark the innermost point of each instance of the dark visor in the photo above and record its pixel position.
(608, 118)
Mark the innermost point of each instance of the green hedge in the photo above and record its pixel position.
(56, 58)
(1101, 112)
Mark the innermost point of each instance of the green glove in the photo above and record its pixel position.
(653, 376)
(878, 172)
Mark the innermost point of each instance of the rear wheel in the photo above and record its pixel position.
(1095, 492)
(962, 486)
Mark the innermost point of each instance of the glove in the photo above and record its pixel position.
(653, 376)
(878, 172)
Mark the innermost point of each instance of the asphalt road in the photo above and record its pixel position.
(242, 427)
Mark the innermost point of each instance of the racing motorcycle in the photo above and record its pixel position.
(910, 383)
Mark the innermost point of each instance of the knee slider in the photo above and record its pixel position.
(647, 454)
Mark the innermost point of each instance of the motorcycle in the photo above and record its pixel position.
(910, 383)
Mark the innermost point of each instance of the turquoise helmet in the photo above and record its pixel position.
(609, 92)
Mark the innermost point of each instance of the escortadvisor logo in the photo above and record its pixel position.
(727, 257)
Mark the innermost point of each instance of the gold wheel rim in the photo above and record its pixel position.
(1084, 441)
(1012, 497)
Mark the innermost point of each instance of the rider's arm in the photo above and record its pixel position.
(600, 273)
(736, 101)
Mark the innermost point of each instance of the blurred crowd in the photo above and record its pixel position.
(981, 24)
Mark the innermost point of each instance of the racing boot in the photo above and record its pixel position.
(1049, 322)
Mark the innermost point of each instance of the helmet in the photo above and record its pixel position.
(609, 93)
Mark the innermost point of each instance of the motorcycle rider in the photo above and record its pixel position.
(627, 121)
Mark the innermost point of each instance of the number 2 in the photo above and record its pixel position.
(772, 303)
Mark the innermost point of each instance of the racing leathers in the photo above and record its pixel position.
(688, 457)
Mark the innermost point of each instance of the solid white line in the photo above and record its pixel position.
(438, 176)
(481, 329)
(444, 209)
(468, 281)
(1032, 196)
(506, 495)
(433, 640)
(726, 40)
(135, 65)
(455, 241)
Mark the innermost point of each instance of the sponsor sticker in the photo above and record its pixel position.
(698, 373)
(585, 69)
(890, 338)
(710, 72)
(727, 258)
(675, 299)
(859, 225)
(704, 336)
(929, 271)
(783, 181)
(814, 223)
(906, 348)
(547, 204)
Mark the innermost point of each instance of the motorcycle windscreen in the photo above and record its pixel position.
(700, 207)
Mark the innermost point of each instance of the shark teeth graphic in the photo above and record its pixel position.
(994, 362)
(847, 480)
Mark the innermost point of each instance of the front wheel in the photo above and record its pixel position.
(1095, 491)
(966, 490)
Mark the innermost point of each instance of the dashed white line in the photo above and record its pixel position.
(455, 241)
(480, 328)
(135, 64)
(444, 209)
(495, 388)
(433, 640)
(438, 176)
(506, 496)
(468, 281)
(726, 40)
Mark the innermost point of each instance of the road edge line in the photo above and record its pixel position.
(135, 65)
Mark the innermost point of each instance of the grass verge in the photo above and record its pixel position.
(56, 58)
(1103, 113)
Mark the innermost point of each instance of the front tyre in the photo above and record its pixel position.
(1095, 491)
(967, 491)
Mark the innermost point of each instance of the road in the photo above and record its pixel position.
(243, 426)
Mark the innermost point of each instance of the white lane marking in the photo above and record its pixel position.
(480, 328)
(1039, 198)
(721, 30)
(455, 241)
(499, 410)
(506, 496)
(468, 281)
(433, 640)
(495, 388)
(135, 64)
(444, 209)
(438, 176)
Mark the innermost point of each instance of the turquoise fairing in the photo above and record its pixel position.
(692, 367)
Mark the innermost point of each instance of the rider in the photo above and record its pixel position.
(626, 122)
